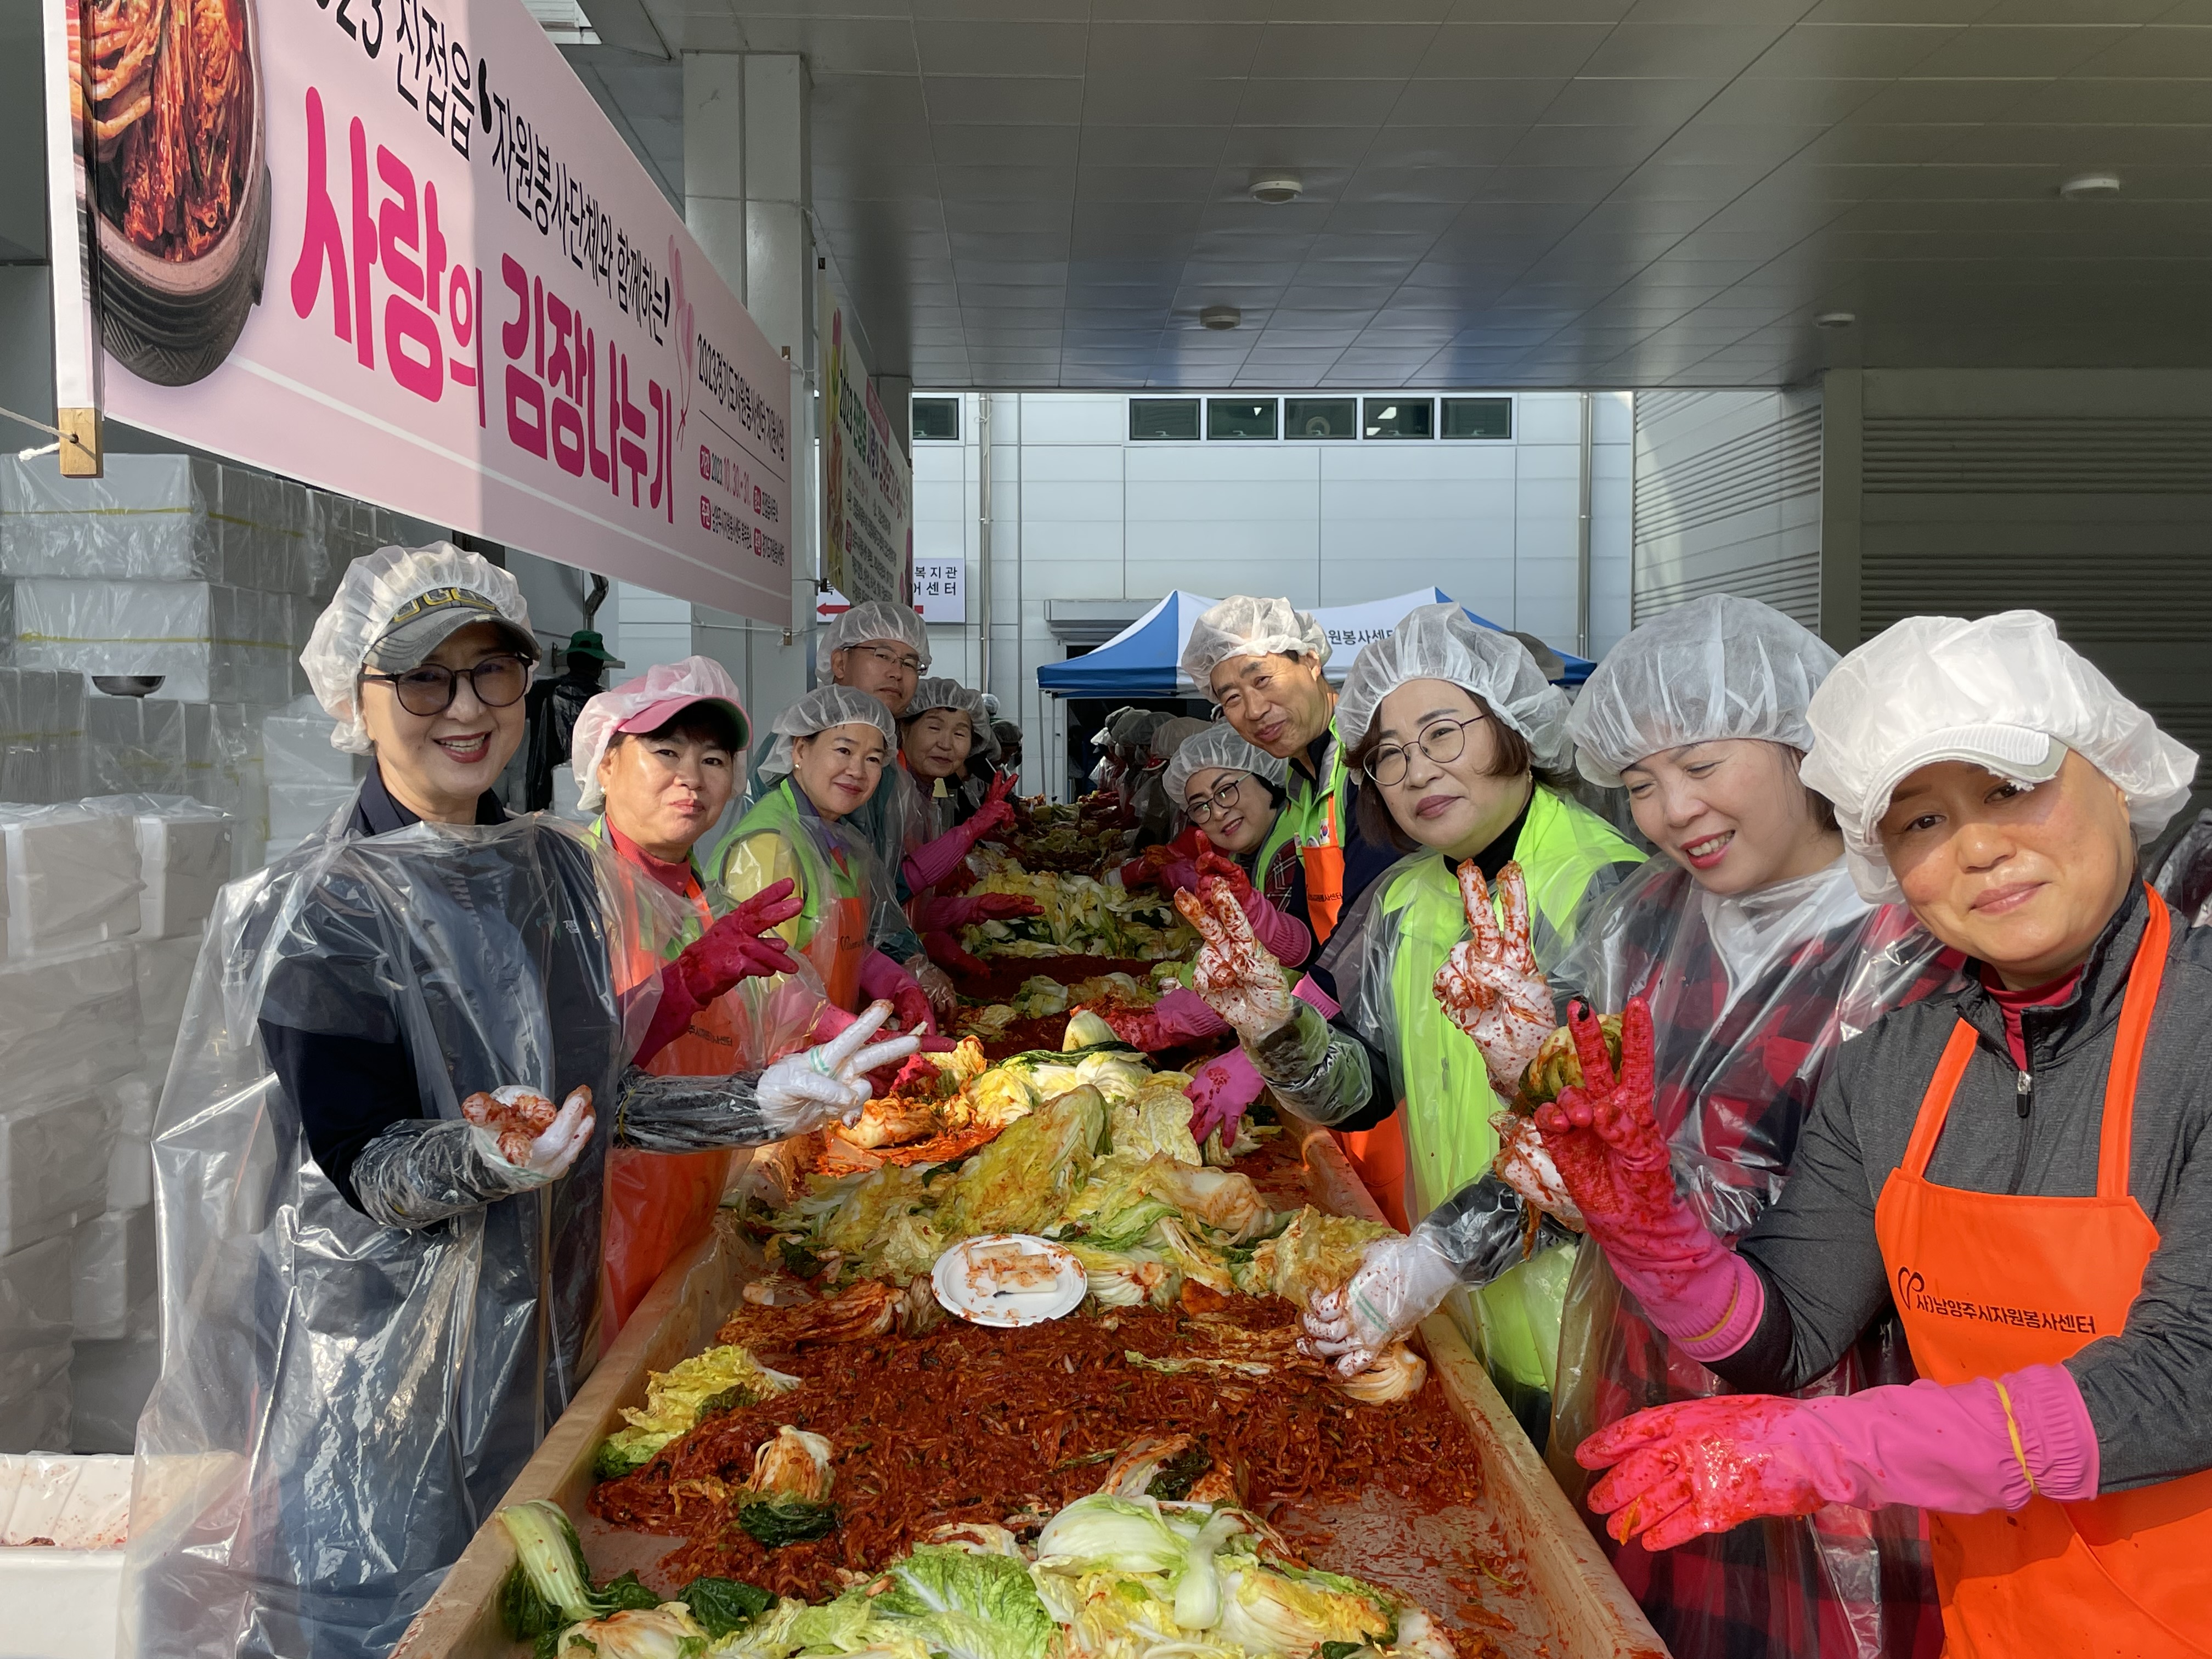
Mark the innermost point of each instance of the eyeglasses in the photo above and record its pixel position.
(1218, 801)
(496, 681)
(1442, 741)
(904, 660)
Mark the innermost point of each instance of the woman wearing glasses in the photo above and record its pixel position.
(383, 1276)
(1464, 741)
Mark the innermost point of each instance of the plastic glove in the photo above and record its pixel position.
(1219, 1093)
(1490, 984)
(1146, 870)
(1608, 1151)
(994, 813)
(1524, 1163)
(966, 911)
(1285, 937)
(1703, 1466)
(803, 1091)
(1400, 1282)
(1177, 1018)
(936, 984)
(944, 949)
(520, 1137)
(1234, 971)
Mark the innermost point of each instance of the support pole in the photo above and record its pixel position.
(1583, 538)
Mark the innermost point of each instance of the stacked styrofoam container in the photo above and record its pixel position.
(63, 1521)
(309, 781)
(42, 735)
(69, 1027)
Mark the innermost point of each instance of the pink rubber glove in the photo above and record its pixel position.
(1707, 1464)
(1286, 938)
(1178, 1018)
(1219, 1092)
(944, 950)
(1609, 1153)
(883, 980)
(738, 946)
(928, 865)
(964, 910)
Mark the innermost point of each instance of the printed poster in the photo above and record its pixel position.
(868, 488)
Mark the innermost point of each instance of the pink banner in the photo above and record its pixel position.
(395, 250)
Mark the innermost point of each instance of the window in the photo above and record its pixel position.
(936, 417)
(1477, 417)
(1153, 418)
(1240, 417)
(1321, 417)
(1397, 417)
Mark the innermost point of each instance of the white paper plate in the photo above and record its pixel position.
(957, 1292)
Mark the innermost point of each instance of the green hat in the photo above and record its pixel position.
(585, 643)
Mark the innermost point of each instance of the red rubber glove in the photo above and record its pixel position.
(1176, 1018)
(994, 813)
(944, 950)
(1609, 1153)
(1703, 1466)
(1144, 870)
(883, 980)
(965, 910)
(738, 946)
(1219, 1092)
(926, 866)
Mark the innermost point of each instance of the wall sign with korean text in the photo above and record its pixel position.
(867, 487)
(393, 248)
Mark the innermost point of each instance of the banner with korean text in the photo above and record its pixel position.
(393, 248)
(867, 487)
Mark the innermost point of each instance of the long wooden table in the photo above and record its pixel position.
(1575, 1606)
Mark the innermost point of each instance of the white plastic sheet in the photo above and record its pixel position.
(112, 1272)
(72, 876)
(209, 642)
(34, 1347)
(53, 1168)
(42, 735)
(67, 1022)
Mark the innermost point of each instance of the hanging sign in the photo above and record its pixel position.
(394, 249)
(868, 488)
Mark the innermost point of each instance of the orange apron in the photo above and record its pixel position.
(1988, 1283)
(658, 1205)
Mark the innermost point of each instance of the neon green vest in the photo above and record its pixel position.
(1448, 1101)
(645, 925)
(821, 878)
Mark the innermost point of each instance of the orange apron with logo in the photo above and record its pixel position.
(1987, 1282)
(658, 1205)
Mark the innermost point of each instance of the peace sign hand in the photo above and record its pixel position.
(1491, 986)
(1235, 973)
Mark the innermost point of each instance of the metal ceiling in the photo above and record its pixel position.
(1497, 192)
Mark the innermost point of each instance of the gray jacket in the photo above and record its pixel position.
(2148, 1389)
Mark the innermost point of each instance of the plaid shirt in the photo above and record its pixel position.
(1738, 1067)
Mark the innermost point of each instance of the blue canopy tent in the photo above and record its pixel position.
(1140, 661)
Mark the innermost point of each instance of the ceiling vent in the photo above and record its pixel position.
(1221, 317)
(1277, 188)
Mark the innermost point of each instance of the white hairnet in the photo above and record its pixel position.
(872, 619)
(667, 682)
(2004, 692)
(1442, 642)
(943, 693)
(371, 592)
(1241, 626)
(1219, 745)
(824, 707)
(1717, 667)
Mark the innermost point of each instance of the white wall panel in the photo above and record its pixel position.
(1073, 463)
(1072, 419)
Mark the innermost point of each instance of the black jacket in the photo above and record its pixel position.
(2147, 1389)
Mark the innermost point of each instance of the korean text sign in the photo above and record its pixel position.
(868, 488)
(393, 248)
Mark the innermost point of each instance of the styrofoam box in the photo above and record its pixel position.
(109, 1382)
(34, 1347)
(163, 969)
(62, 1602)
(146, 516)
(112, 1272)
(132, 1101)
(72, 878)
(136, 745)
(295, 747)
(54, 1168)
(63, 1020)
(298, 810)
(184, 863)
(42, 747)
(209, 642)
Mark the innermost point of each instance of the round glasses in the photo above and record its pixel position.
(1442, 741)
(906, 661)
(430, 690)
(1218, 801)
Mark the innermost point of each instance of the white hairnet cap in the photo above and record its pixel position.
(1219, 745)
(1442, 642)
(1241, 626)
(374, 589)
(824, 707)
(2004, 692)
(872, 619)
(1717, 667)
(942, 692)
(659, 695)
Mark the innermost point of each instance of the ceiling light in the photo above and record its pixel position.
(1279, 188)
(1835, 319)
(1221, 316)
(2090, 187)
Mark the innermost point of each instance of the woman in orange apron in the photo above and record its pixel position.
(657, 756)
(2012, 1165)
(835, 745)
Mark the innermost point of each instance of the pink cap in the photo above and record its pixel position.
(653, 716)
